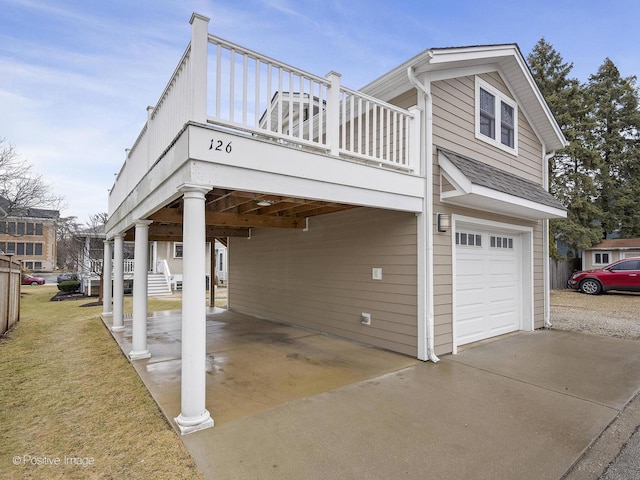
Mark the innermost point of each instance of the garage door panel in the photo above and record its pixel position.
(488, 287)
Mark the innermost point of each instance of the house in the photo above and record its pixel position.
(29, 236)
(609, 251)
(164, 270)
(410, 215)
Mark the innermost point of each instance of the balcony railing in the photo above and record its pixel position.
(224, 84)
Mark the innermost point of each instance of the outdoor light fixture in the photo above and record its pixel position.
(264, 203)
(444, 222)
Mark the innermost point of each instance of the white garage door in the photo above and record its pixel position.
(488, 300)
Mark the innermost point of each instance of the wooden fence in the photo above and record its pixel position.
(10, 280)
(560, 271)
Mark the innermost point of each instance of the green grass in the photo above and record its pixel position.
(66, 390)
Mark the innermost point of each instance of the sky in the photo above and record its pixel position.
(76, 76)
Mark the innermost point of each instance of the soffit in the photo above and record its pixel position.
(231, 213)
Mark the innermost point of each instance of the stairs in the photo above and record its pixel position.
(157, 285)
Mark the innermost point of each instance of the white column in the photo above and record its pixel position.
(106, 279)
(140, 289)
(193, 414)
(118, 284)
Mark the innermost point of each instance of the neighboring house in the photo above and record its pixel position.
(164, 268)
(29, 236)
(610, 250)
(410, 215)
(167, 257)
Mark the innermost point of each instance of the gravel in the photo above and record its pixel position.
(612, 314)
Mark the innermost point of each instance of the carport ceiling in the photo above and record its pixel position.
(231, 213)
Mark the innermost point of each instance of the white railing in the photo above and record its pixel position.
(374, 130)
(222, 83)
(258, 94)
(163, 267)
(261, 95)
(171, 112)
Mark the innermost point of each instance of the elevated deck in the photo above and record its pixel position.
(258, 129)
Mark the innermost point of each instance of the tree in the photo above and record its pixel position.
(615, 140)
(20, 187)
(573, 169)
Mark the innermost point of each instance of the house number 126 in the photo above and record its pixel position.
(219, 146)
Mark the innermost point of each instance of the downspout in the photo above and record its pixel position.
(427, 208)
(545, 242)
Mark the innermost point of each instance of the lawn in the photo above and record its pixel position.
(72, 406)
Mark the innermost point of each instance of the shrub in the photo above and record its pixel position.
(69, 286)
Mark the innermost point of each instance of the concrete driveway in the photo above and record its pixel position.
(522, 406)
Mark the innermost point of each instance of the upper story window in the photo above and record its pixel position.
(601, 258)
(496, 117)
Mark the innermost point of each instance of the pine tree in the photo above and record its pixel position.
(615, 140)
(571, 170)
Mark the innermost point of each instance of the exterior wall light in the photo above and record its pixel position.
(444, 222)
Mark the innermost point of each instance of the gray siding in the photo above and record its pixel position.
(321, 279)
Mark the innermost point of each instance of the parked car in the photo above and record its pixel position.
(63, 277)
(31, 280)
(620, 275)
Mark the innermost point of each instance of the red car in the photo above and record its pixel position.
(620, 275)
(31, 280)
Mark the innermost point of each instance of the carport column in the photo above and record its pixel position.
(193, 414)
(106, 279)
(118, 284)
(140, 289)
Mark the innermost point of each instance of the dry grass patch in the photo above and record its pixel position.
(68, 391)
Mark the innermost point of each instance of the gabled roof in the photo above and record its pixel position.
(478, 185)
(617, 244)
(441, 63)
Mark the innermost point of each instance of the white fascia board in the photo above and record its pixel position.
(483, 198)
(453, 174)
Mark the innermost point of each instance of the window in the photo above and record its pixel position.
(28, 265)
(11, 247)
(493, 110)
(29, 248)
(630, 265)
(601, 258)
(501, 242)
(30, 228)
(468, 239)
(11, 228)
(39, 229)
(37, 265)
(177, 250)
(21, 228)
(38, 248)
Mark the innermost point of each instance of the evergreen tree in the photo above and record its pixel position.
(571, 170)
(615, 140)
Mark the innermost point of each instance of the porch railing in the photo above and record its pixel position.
(222, 83)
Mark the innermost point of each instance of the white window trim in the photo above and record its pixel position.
(593, 258)
(174, 249)
(499, 97)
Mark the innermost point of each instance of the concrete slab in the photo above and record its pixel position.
(289, 403)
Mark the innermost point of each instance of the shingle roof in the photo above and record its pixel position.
(480, 173)
(29, 212)
(618, 243)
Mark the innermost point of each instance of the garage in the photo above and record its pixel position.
(489, 281)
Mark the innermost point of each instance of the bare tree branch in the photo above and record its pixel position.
(20, 187)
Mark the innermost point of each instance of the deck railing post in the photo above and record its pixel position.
(333, 113)
(413, 155)
(198, 63)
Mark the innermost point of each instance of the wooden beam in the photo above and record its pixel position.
(232, 220)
